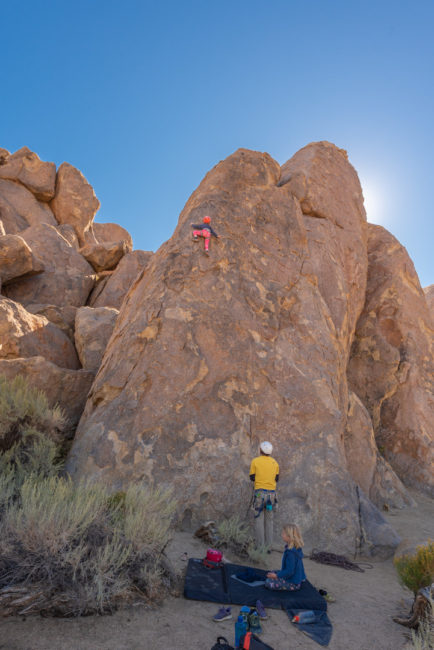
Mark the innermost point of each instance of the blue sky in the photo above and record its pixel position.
(145, 97)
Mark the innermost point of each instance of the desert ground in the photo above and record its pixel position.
(361, 616)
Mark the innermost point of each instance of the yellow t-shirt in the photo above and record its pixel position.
(265, 469)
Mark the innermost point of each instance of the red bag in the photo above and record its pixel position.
(212, 555)
(213, 559)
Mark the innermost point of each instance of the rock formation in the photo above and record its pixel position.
(105, 256)
(212, 354)
(17, 259)
(67, 279)
(93, 328)
(20, 209)
(365, 463)
(25, 167)
(75, 202)
(112, 290)
(429, 296)
(67, 388)
(305, 325)
(25, 335)
(109, 232)
(392, 367)
(45, 278)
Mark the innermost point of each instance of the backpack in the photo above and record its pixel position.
(222, 644)
(252, 642)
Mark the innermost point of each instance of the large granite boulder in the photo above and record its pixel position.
(111, 291)
(108, 232)
(93, 329)
(62, 386)
(392, 364)
(211, 354)
(62, 317)
(17, 259)
(25, 167)
(19, 208)
(331, 199)
(23, 334)
(75, 202)
(366, 465)
(429, 296)
(67, 279)
(105, 256)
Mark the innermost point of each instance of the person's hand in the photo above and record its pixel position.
(271, 574)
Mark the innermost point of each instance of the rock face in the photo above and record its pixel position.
(17, 259)
(68, 388)
(212, 354)
(93, 328)
(25, 335)
(19, 209)
(304, 326)
(105, 256)
(67, 279)
(25, 167)
(75, 202)
(62, 317)
(332, 203)
(429, 296)
(38, 342)
(367, 467)
(112, 290)
(109, 232)
(391, 367)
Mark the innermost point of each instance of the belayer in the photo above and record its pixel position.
(264, 472)
(204, 230)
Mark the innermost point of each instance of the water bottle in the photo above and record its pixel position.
(307, 616)
(240, 629)
(244, 613)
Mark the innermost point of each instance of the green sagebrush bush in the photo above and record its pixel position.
(24, 413)
(417, 570)
(89, 554)
(233, 533)
(80, 548)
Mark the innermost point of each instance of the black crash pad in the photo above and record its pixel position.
(219, 586)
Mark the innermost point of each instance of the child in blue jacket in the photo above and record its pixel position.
(292, 574)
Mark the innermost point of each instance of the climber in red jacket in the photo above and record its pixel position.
(205, 231)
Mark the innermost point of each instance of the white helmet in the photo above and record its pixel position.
(266, 447)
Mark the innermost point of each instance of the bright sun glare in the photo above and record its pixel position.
(374, 204)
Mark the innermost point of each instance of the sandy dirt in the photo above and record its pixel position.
(361, 615)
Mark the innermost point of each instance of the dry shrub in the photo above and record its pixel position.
(233, 533)
(417, 571)
(70, 549)
(87, 553)
(24, 413)
(259, 554)
(151, 533)
(423, 639)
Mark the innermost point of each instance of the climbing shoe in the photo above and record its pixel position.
(254, 624)
(223, 614)
(261, 610)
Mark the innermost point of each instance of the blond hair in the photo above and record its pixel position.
(293, 534)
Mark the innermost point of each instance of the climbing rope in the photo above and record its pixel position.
(337, 560)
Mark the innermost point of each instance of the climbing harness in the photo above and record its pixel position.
(265, 501)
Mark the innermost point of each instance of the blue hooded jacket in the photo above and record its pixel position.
(292, 566)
